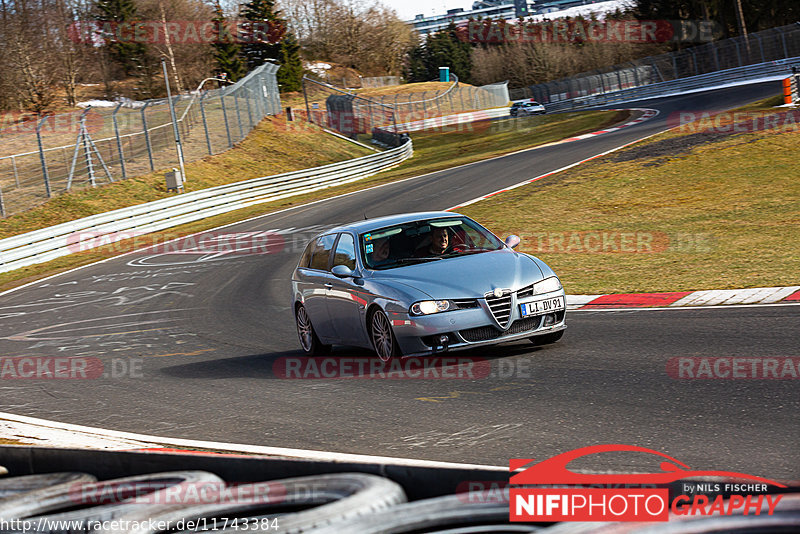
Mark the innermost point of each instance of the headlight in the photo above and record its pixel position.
(427, 307)
(547, 285)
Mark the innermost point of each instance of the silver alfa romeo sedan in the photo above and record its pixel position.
(422, 283)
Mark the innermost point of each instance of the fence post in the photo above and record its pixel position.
(147, 135)
(16, 174)
(119, 142)
(2, 206)
(225, 115)
(739, 54)
(760, 47)
(309, 118)
(716, 57)
(86, 154)
(783, 40)
(238, 113)
(41, 156)
(248, 93)
(205, 123)
(694, 62)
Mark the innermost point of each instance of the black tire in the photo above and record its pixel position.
(309, 341)
(382, 337)
(427, 515)
(304, 504)
(547, 338)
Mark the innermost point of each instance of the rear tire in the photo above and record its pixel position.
(380, 333)
(309, 341)
(547, 338)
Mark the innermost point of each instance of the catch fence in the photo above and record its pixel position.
(50, 155)
(361, 117)
(757, 48)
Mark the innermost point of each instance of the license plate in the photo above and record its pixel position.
(539, 307)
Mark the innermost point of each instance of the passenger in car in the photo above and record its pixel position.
(380, 252)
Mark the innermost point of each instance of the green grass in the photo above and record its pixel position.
(256, 157)
(721, 215)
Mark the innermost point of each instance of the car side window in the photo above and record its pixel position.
(321, 252)
(305, 259)
(345, 252)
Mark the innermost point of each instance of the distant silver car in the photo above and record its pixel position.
(526, 107)
(422, 283)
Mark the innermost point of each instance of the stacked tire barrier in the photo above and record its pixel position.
(294, 496)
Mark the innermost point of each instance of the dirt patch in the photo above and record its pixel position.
(713, 129)
(673, 146)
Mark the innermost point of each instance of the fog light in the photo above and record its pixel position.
(443, 340)
(549, 319)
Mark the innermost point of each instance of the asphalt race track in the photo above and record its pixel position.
(188, 343)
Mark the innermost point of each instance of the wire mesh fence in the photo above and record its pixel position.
(48, 156)
(361, 117)
(761, 47)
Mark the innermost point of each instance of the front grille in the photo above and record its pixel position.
(464, 304)
(526, 291)
(485, 333)
(500, 307)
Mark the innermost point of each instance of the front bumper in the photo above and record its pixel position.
(472, 327)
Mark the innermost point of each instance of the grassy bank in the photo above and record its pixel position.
(432, 151)
(686, 210)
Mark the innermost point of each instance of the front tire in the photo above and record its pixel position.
(309, 341)
(383, 341)
(547, 338)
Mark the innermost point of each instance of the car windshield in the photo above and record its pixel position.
(425, 241)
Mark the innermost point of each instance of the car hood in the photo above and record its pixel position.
(466, 276)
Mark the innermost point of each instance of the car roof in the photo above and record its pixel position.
(368, 225)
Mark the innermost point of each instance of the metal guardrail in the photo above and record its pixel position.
(703, 81)
(60, 240)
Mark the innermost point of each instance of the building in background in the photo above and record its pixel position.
(507, 10)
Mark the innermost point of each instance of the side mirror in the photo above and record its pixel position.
(342, 271)
(512, 241)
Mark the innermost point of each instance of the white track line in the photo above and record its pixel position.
(545, 175)
(243, 449)
(667, 308)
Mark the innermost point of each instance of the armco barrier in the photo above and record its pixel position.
(778, 68)
(63, 239)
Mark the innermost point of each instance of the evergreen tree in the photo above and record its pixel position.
(262, 32)
(415, 69)
(110, 13)
(227, 51)
(290, 75)
(441, 49)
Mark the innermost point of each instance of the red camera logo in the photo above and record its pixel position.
(545, 504)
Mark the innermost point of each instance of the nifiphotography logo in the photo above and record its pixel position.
(548, 491)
